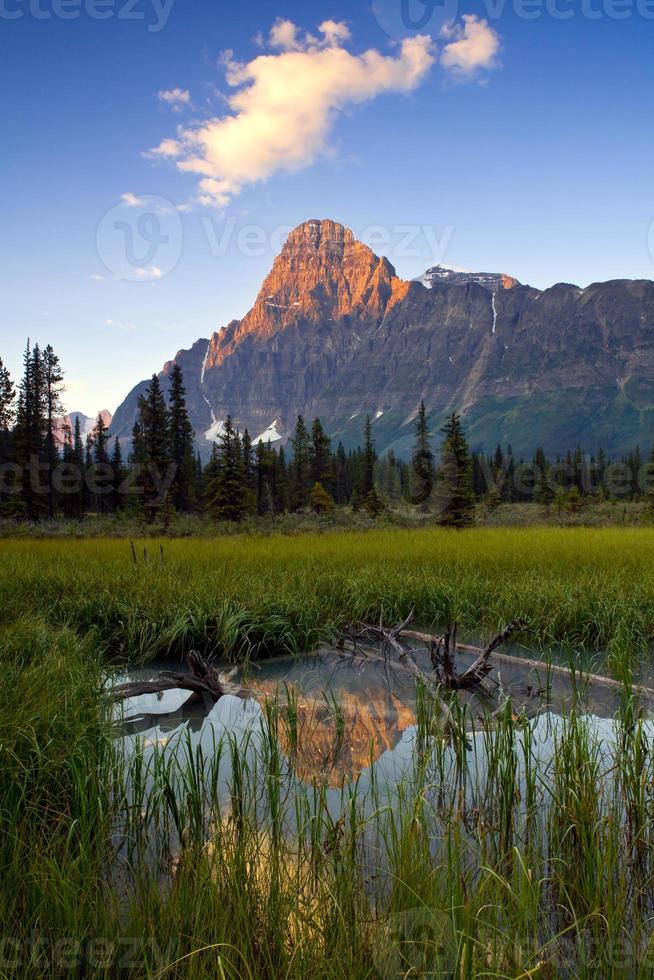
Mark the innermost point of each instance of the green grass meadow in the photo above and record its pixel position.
(116, 867)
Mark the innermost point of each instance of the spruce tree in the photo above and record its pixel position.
(181, 444)
(368, 497)
(228, 489)
(53, 378)
(368, 461)
(321, 501)
(7, 415)
(151, 450)
(30, 435)
(102, 478)
(422, 461)
(301, 465)
(281, 481)
(80, 502)
(454, 492)
(117, 478)
(7, 395)
(320, 457)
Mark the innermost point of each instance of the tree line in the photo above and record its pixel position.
(49, 469)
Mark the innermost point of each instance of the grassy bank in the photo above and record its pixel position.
(244, 594)
(154, 867)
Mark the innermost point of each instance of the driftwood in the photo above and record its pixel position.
(442, 654)
(203, 681)
(526, 663)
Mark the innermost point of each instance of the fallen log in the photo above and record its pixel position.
(203, 681)
(442, 653)
(527, 662)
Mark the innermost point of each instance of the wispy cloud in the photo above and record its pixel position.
(175, 98)
(131, 200)
(149, 272)
(284, 104)
(118, 325)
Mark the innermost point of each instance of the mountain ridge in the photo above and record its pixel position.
(335, 333)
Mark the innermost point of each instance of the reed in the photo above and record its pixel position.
(522, 849)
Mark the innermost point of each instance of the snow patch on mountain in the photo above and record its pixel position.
(215, 430)
(270, 435)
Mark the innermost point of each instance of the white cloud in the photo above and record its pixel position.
(131, 200)
(167, 148)
(284, 105)
(126, 327)
(283, 34)
(150, 272)
(474, 46)
(176, 98)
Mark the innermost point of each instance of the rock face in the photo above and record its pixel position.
(335, 333)
(86, 424)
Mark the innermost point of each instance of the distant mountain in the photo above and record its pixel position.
(441, 275)
(87, 424)
(335, 333)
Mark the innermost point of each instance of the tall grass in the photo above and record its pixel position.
(515, 851)
(256, 596)
(496, 859)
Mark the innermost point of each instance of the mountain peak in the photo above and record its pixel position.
(321, 274)
(319, 233)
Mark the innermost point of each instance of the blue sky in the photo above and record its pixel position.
(534, 158)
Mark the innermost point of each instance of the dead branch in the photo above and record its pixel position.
(442, 651)
(202, 681)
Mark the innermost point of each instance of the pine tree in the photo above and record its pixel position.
(544, 492)
(342, 489)
(281, 481)
(53, 378)
(301, 472)
(455, 496)
(100, 467)
(30, 435)
(320, 457)
(321, 501)
(422, 461)
(79, 504)
(368, 461)
(367, 495)
(181, 444)
(7, 395)
(228, 489)
(117, 478)
(151, 450)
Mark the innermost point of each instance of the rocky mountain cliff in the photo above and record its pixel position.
(86, 424)
(335, 333)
